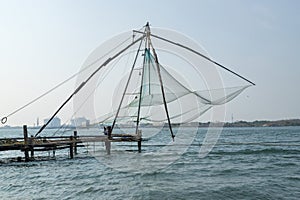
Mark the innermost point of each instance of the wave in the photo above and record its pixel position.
(258, 151)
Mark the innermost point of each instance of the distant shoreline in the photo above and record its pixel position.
(257, 123)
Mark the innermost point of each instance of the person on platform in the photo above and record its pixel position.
(105, 130)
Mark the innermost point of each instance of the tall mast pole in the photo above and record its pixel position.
(160, 80)
(142, 80)
(126, 86)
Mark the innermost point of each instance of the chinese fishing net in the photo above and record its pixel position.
(127, 87)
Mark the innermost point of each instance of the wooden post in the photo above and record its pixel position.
(75, 147)
(140, 146)
(109, 132)
(108, 147)
(139, 136)
(108, 143)
(31, 147)
(71, 147)
(25, 143)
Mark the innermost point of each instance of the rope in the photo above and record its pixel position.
(203, 56)
(84, 82)
(91, 93)
(126, 86)
(5, 118)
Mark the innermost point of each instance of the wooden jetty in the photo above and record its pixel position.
(33, 144)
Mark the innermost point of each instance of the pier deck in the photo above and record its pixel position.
(32, 144)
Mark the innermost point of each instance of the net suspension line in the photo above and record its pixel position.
(160, 80)
(200, 54)
(126, 86)
(5, 118)
(84, 82)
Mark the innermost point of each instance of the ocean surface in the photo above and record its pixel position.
(245, 163)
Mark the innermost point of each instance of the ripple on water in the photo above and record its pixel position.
(247, 167)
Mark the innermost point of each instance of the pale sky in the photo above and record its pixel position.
(45, 42)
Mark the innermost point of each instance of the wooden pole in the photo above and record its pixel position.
(108, 147)
(31, 147)
(75, 147)
(139, 136)
(109, 137)
(140, 146)
(71, 148)
(162, 91)
(26, 143)
(109, 130)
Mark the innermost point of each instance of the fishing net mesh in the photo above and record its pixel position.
(191, 84)
(183, 103)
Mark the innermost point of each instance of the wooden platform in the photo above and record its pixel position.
(32, 144)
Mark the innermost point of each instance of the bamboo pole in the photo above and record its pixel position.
(25, 143)
(71, 148)
(75, 147)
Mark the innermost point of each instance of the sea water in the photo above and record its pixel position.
(245, 163)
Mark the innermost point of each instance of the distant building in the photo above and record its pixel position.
(80, 122)
(55, 122)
